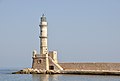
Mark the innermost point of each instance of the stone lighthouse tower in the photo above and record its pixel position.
(43, 41)
(45, 60)
(43, 36)
(40, 61)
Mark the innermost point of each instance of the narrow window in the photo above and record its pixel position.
(39, 61)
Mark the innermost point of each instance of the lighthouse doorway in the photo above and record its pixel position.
(51, 67)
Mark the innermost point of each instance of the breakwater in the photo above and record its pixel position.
(78, 68)
(81, 72)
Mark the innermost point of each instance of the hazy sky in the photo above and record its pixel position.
(80, 30)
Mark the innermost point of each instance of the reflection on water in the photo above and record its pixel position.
(44, 77)
(64, 77)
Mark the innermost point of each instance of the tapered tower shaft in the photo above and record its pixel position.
(43, 36)
(43, 41)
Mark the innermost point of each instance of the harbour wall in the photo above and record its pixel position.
(91, 66)
(78, 68)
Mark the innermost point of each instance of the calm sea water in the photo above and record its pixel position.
(5, 75)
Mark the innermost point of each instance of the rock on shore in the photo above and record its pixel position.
(36, 71)
(85, 72)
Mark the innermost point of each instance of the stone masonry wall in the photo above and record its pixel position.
(39, 63)
(91, 66)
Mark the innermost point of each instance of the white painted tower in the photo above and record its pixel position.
(46, 60)
(43, 41)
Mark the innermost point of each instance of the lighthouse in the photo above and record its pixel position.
(40, 60)
(45, 60)
(43, 41)
(43, 36)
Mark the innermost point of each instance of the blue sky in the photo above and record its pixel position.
(80, 30)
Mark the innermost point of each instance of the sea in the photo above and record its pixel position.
(6, 75)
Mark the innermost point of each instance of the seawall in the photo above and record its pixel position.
(79, 68)
(91, 66)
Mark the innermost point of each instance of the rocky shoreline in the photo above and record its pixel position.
(36, 71)
(81, 72)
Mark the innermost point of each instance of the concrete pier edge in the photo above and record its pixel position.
(79, 72)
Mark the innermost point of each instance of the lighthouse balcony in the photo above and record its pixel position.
(42, 37)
